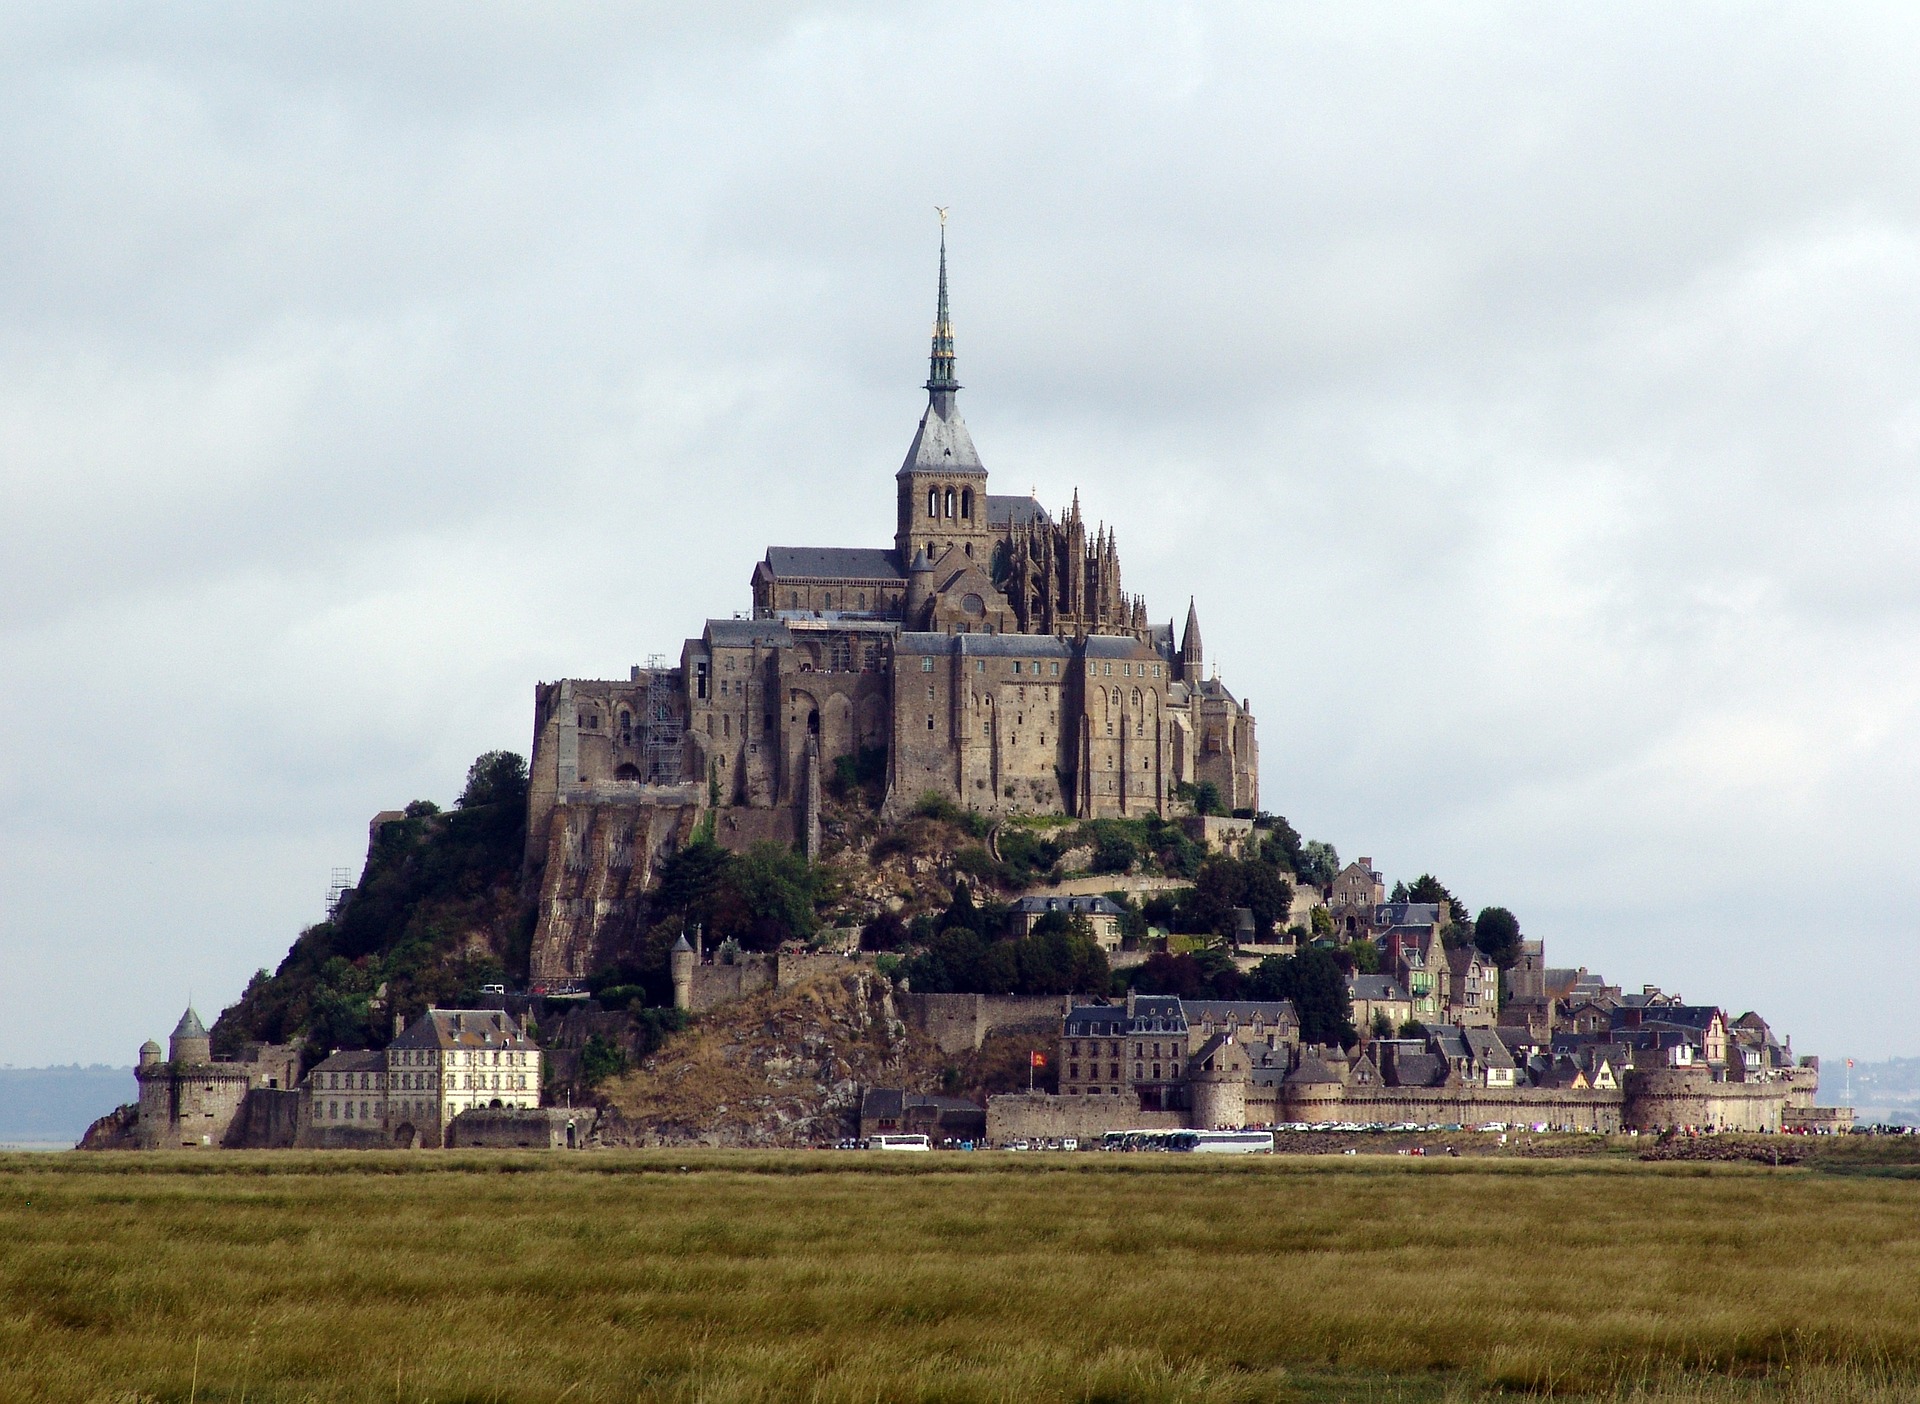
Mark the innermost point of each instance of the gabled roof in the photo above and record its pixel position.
(463, 1028)
(1488, 1050)
(834, 563)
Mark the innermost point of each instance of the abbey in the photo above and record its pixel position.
(990, 655)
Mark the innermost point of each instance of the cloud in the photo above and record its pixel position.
(1525, 396)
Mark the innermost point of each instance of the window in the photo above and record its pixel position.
(929, 721)
(933, 502)
(1055, 670)
(980, 665)
(793, 599)
(829, 600)
(966, 509)
(1109, 670)
(949, 503)
(926, 665)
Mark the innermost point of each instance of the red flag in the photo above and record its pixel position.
(1039, 1060)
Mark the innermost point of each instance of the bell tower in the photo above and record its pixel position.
(942, 486)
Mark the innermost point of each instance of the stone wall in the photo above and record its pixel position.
(1659, 1098)
(539, 1128)
(738, 828)
(271, 1119)
(960, 1023)
(343, 1138)
(1045, 1116)
(717, 984)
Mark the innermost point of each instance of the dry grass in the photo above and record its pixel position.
(857, 1277)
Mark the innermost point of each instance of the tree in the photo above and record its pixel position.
(1399, 893)
(496, 777)
(961, 913)
(774, 888)
(1365, 955)
(1382, 1025)
(692, 882)
(1226, 883)
(886, 932)
(1428, 888)
(1319, 863)
(600, 1060)
(1496, 931)
(1281, 846)
(1315, 983)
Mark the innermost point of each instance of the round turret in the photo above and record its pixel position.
(680, 964)
(150, 1053)
(190, 1043)
(919, 588)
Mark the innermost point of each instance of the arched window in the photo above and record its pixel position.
(933, 502)
(966, 503)
(949, 502)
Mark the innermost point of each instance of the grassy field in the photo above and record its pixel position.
(723, 1277)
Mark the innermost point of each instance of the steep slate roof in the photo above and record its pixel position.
(1240, 1011)
(1488, 1050)
(833, 563)
(189, 1025)
(1115, 646)
(463, 1028)
(1406, 914)
(1014, 511)
(1311, 1070)
(353, 1060)
(941, 445)
(1097, 906)
(1418, 1070)
(1374, 987)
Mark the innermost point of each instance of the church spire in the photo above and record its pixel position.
(1190, 650)
(940, 365)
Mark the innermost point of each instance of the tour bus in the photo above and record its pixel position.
(895, 1142)
(1207, 1142)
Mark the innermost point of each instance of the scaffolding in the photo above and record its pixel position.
(666, 729)
(338, 881)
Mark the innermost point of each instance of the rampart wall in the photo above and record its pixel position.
(1657, 1098)
(1044, 1116)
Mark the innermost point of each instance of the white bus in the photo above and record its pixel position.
(1223, 1142)
(1210, 1142)
(905, 1143)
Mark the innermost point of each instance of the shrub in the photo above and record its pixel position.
(600, 1060)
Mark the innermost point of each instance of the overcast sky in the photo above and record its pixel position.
(1526, 393)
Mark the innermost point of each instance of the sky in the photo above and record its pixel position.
(1526, 394)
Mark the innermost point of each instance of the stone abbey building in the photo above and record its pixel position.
(989, 655)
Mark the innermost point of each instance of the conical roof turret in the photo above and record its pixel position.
(189, 1025)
